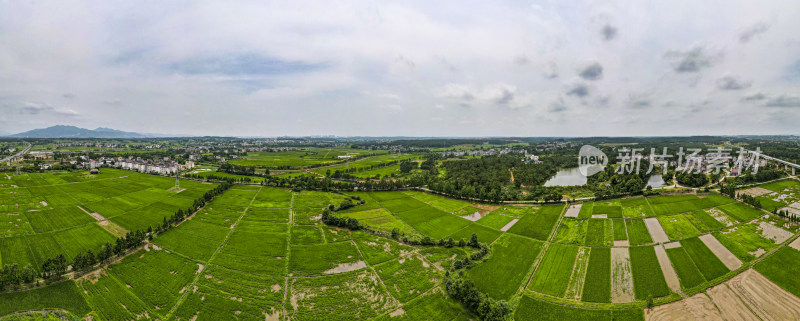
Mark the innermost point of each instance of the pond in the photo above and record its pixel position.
(567, 177)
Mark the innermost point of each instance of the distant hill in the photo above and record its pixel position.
(62, 131)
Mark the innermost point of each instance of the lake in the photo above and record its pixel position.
(573, 176)
(567, 177)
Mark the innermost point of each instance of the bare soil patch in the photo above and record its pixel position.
(755, 191)
(656, 231)
(795, 244)
(731, 261)
(600, 216)
(622, 243)
(697, 307)
(768, 300)
(621, 276)
(718, 215)
(346, 267)
(473, 217)
(573, 210)
(729, 304)
(672, 245)
(773, 232)
(509, 225)
(666, 268)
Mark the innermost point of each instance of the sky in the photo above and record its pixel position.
(403, 68)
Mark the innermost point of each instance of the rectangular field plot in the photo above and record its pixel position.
(637, 232)
(273, 197)
(254, 252)
(648, 278)
(597, 287)
(240, 198)
(380, 219)
(14, 250)
(385, 196)
(703, 221)
(142, 218)
(79, 239)
(62, 296)
(194, 239)
(709, 265)
(423, 214)
(533, 309)
(408, 277)
(156, 277)
(485, 234)
(323, 258)
(442, 226)
(16, 224)
(677, 227)
(494, 220)
(356, 295)
(506, 269)
(636, 207)
(403, 204)
(111, 300)
(572, 231)
(445, 204)
(218, 214)
(306, 235)
(434, 306)
(620, 231)
(553, 273)
(687, 271)
(259, 290)
(540, 224)
(578, 274)
(741, 212)
(610, 211)
(750, 241)
(377, 249)
(598, 232)
(207, 304)
(775, 268)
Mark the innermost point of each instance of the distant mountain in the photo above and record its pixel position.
(62, 131)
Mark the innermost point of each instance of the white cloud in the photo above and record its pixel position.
(509, 67)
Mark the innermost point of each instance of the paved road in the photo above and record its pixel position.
(17, 154)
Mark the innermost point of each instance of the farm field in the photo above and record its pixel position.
(258, 253)
(299, 158)
(70, 213)
(780, 195)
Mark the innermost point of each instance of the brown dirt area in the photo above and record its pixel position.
(573, 210)
(656, 231)
(769, 301)
(755, 191)
(697, 307)
(621, 276)
(731, 261)
(667, 269)
(729, 304)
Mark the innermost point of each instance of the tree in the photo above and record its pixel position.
(473, 241)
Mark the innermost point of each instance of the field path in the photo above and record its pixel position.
(731, 261)
(666, 267)
(656, 231)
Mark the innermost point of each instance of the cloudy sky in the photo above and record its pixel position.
(416, 68)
